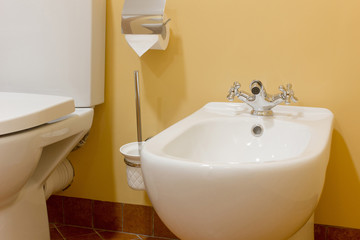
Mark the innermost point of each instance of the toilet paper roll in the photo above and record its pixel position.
(141, 43)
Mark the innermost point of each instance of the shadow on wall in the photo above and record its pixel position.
(337, 193)
(165, 91)
(90, 158)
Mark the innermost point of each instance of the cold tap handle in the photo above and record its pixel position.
(288, 94)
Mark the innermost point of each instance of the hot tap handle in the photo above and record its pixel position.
(233, 91)
(288, 94)
(236, 85)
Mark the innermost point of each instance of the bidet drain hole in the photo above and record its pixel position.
(257, 130)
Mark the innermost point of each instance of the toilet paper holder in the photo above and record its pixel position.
(144, 17)
(144, 24)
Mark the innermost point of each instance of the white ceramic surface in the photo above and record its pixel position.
(210, 178)
(54, 47)
(20, 111)
(27, 160)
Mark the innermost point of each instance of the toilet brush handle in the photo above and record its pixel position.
(138, 112)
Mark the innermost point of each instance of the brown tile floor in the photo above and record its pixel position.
(79, 217)
(68, 232)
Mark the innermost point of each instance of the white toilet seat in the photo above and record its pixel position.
(20, 111)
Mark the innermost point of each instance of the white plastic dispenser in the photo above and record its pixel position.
(145, 25)
(131, 153)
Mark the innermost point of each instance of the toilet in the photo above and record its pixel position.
(52, 65)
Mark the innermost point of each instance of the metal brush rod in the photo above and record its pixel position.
(138, 112)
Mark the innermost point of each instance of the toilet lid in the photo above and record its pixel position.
(19, 111)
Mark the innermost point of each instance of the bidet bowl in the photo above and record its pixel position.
(213, 176)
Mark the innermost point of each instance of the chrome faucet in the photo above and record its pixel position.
(259, 100)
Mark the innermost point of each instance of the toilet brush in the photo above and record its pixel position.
(138, 112)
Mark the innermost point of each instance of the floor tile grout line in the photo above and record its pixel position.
(82, 234)
(98, 234)
(326, 232)
(165, 238)
(122, 216)
(153, 221)
(92, 213)
(115, 231)
(136, 234)
(78, 226)
(59, 232)
(62, 210)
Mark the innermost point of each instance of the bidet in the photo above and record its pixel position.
(223, 173)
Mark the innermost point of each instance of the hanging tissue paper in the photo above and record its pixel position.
(141, 43)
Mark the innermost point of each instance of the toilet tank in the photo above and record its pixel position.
(54, 47)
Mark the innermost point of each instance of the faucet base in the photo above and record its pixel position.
(262, 113)
(260, 101)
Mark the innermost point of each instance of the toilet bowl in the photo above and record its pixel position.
(33, 143)
(52, 68)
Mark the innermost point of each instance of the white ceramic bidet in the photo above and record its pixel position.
(222, 173)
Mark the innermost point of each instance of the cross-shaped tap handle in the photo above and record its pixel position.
(233, 91)
(288, 93)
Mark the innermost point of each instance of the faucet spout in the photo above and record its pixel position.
(256, 87)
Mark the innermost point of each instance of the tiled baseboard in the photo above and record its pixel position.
(324, 232)
(136, 219)
(127, 218)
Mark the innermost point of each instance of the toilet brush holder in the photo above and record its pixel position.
(131, 153)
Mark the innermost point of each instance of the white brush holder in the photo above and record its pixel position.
(131, 153)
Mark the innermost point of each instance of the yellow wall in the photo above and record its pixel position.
(315, 45)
